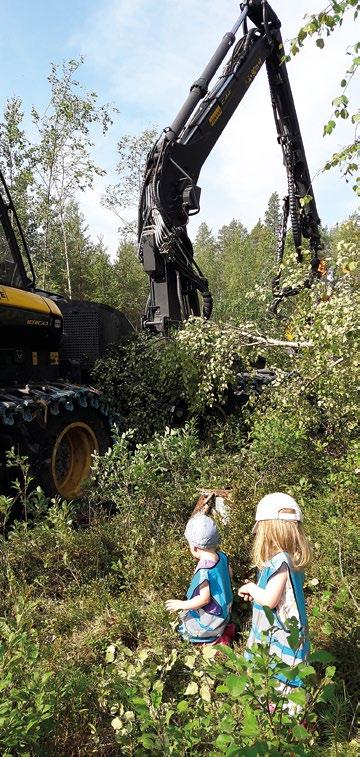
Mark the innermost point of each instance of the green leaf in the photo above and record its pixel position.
(327, 693)
(182, 706)
(330, 671)
(322, 656)
(191, 689)
(258, 748)
(301, 733)
(289, 672)
(158, 686)
(329, 127)
(294, 632)
(306, 670)
(298, 697)
(209, 652)
(251, 726)
(306, 200)
(143, 655)
(234, 751)
(223, 741)
(148, 741)
(302, 35)
(227, 651)
(227, 724)
(269, 614)
(236, 684)
(327, 628)
(341, 100)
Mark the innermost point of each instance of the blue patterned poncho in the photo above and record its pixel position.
(291, 604)
(209, 622)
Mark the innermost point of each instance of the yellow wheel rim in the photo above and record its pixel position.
(72, 457)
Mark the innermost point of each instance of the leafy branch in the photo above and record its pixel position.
(322, 25)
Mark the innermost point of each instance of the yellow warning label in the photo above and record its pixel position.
(215, 115)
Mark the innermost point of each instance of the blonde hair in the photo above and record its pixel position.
(273, 536)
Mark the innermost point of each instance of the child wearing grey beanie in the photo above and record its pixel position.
(206, 611)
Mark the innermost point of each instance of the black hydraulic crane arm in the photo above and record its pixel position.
(170, 193)
(18, 269)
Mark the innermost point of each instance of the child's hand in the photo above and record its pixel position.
(173, 605)
(244, 592)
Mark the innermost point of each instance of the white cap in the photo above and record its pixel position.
(271, 506)
(201, 532)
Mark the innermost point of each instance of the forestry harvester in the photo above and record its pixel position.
(48, 345)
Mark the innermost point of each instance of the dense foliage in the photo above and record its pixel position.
(82, 587)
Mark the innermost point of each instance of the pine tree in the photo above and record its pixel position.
(273, 214)
(208, 258)
(103, 286)
(231, 234)
(131, 281)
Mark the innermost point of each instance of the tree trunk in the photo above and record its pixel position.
(66, 253)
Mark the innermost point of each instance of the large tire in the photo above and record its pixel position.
(65, 451)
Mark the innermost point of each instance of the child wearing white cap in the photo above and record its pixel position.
(281, 551)
(209, 597)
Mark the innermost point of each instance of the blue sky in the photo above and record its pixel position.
(142, 56)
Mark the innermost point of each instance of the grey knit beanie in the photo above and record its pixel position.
(201, 531)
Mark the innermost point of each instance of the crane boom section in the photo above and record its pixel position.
(170, 193)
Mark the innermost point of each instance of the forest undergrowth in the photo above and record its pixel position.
(90, 662)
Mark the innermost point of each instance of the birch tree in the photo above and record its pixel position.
(64, 165)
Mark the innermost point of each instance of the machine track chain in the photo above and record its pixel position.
(36, 401)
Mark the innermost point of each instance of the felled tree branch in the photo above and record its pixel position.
(323, 371)
(267, 341)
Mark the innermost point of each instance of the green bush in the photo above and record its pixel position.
(149, 381)
(28, 690)
(100, 571)
(212, 701)
(141, 379)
